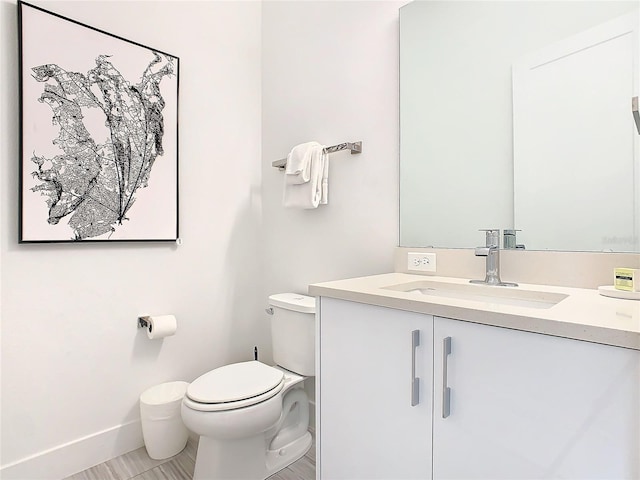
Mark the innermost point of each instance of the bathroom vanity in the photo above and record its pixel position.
(428, 377)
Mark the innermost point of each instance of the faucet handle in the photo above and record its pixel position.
(492, 236)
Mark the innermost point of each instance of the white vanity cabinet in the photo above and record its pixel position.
(369, 428)
(520, 405)
(531, 406)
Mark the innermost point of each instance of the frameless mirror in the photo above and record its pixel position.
(518, 115)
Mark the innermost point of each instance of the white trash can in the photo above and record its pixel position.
(162, 429)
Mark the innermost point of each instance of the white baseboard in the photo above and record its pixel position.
(73, 457)
(78, 455)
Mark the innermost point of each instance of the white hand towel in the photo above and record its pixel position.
(298, 168)
(314, 192)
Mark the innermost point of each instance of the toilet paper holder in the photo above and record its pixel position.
(158, 326)
(143, 322)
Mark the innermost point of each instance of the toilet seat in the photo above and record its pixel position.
(234, 386)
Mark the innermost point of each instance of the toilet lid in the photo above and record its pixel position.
(234, 382)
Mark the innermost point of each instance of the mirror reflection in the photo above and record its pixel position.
(518, 115)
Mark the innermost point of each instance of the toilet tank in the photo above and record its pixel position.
(293, 332)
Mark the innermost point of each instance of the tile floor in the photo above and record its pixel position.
(137, 465)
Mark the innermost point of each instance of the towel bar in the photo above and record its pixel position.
(355, 147)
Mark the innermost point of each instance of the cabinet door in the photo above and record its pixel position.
(368, 427)
(531, 406)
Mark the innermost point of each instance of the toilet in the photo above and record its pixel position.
(253, 418)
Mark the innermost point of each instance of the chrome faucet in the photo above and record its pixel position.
(492, 253)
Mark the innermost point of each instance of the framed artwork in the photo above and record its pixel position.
(99, 134)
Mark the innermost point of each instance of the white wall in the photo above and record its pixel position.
(330, 74)
(73, 361)
(69, 311)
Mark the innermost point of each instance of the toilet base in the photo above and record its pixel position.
(241, 459)
(229, 459)
(286, 455)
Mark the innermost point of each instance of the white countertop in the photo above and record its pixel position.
(583, 315)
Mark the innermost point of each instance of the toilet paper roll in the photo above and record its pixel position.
(160, 326)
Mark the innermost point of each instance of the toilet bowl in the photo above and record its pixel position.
(253, 423)
(253, 418)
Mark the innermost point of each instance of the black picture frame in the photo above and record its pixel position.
(98, 134)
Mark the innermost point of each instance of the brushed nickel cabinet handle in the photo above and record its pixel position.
(415, 381)
(446, 391)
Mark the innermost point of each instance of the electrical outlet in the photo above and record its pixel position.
(421, 262)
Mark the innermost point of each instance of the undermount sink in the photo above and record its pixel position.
(514, 296)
